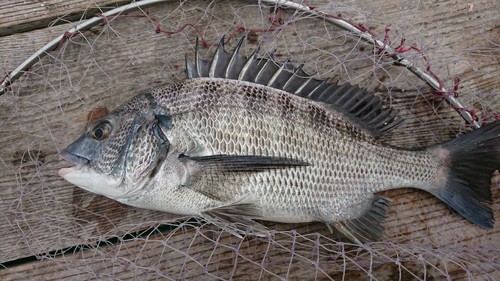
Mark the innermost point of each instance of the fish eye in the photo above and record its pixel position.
(101, 131)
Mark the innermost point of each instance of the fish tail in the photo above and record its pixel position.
(469, 162)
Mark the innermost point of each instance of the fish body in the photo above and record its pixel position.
(245, 139)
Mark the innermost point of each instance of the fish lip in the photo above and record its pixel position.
(74, 159)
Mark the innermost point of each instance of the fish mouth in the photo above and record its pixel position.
(77, 161)
(84, 176)
(73, 158)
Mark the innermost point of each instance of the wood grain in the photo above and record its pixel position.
(21, 16)
(41, 213)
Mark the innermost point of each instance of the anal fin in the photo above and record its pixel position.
(366, 228)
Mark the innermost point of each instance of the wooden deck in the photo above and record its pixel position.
(52, 230)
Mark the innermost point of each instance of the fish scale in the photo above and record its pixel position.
(245, 139)
(334, 159)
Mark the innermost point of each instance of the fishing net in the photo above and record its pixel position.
(53, 230)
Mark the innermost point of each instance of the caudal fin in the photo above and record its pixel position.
(470, 161)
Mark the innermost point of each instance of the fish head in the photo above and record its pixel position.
(118, 153)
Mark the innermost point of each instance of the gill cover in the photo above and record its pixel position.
(148, 146)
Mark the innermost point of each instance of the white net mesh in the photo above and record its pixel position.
(53, 230)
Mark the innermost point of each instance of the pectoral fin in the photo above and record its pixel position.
(237, 219)
(366, 228)
(206, 173)
(244, 163)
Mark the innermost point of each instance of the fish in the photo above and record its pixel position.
(246, 139)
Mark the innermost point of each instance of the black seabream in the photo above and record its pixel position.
(245, 139)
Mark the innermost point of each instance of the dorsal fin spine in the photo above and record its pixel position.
(197, 59)
(248, 63)
(189, 68)
(363, 99)
(333, 94)
(352, 100)
(215, 59)
(339, 90)
(236, 52)
(380, 118)
(313, 92)
(277, 73)
(261, 70)
(299, 89)
(293, 76)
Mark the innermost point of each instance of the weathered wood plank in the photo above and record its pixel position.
(41, 213)
(21, 16)
(201, 252)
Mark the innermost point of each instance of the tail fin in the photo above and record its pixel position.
(471, 160)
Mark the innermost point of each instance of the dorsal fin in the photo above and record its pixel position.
(358, 105)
